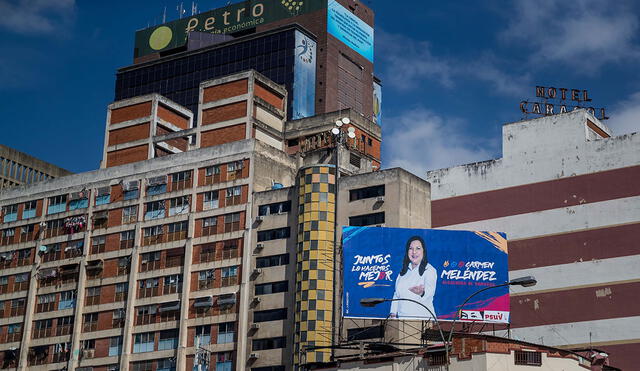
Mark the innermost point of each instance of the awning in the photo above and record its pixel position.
(157, 180)
(95, 264)
(206, 301)
(169, 307)
(103, 191)
(130, 185)
(227, 299)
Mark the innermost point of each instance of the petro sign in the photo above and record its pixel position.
(562, 101)
(230, 19)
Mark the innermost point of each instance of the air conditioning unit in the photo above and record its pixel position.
(258, 248)
(254, 355)
(380, 199)
(256, 300)
(254, 326)
(88, 353)
(259, 218)
(256, 272)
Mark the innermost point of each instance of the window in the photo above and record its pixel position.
(98, 244)
(177, 231)
(359, 333)
(7, 236)
(234, 196)
(210, 200)
(29, 209)
(207, 253)
(275, 208)
(224, 361)
(90, 322)
(146, 314)
(354, 159)
(27, 233)
(168, 340)
(172, 284)
(24, 257)
(229, 275)
(230, 249)
(522, 357)
(67, 300)
(269, 343)
(129, 214)
(64, 326)
(226, 331)
(154, 210)
(143, 342)
(103, 195)
(124, 264)
(93, 296)
(10, 213)
(234, 170)
(273, 234)
(4, 284)
(205, 279)
(174, 257)
(368, 219)
(270, 315)
(115, 346)
(272, 287)
(78, 201)
(368, 192)
(61, 352)
(21, 282)
(181, 180)
(231, 222)
(131, 190)
(127, 239)
(167, 364)
(202, 336)
(152, 235)
(118, 318)
(42, 328)
(148, 288)
(142, 366)
(272, 261)
(209, 226)
(57, 204)
(157, 186)
(14, 332)
(150, 261)
(268, 368)
(122, 289)
(54, 228)
(179, 206)
(212, 175)
(46, 303)
(52, 253)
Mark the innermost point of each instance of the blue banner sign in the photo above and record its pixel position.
(304, 77)
(351, 30)
(424, 271)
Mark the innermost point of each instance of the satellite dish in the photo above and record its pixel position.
(346, 120)
(335, 131)
(43, 249)
(351, 130)
(351, 135)
(338, 123)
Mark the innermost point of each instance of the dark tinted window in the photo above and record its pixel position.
(274, 234)
(368, 192)
(272, 287)
(272, 261)
(275, 208)
(368, 219)
(362, 333)
(269, 343)
(270, 315)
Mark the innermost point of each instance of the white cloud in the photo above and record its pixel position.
(408, 63)
(584, 34)
(36, 16)
(420, 140)
(625, 116)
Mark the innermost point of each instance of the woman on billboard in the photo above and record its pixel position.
(416, 281)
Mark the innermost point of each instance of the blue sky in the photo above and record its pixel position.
(453, 71)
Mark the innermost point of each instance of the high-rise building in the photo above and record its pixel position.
(321, 51)
(566, 192)
(20, 168)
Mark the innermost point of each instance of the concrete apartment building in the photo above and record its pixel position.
(566, 192)
(19, 168)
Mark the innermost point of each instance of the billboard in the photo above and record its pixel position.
(304, 77)
(230, 19)
(351, 30)
(438, 269)
(377, 103)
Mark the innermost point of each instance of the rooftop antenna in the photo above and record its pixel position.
(180, 9)
(164, 15)
(194, 8)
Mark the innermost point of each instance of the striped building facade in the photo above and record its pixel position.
(567, 193)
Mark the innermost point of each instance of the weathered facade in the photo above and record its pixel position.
(19, 168)
(566, 192)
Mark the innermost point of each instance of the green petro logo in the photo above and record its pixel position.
(160, 38)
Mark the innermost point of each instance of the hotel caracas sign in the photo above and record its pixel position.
(233, 18)
(560, 100)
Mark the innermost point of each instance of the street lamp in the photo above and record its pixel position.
(526, 281)
(372, 302)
